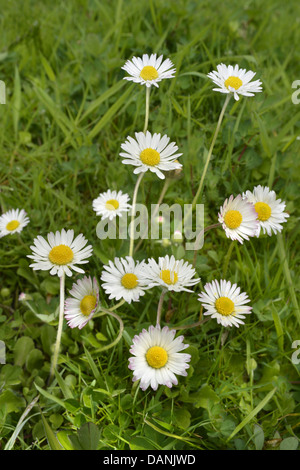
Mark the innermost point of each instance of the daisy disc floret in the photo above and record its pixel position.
(149, 70)
(13, 221)
(157, 357)
(150, 152)
(234, 80)
(111, 204)
(83, 303)
(238, 218)
(60, 253)
(270, 211)
(124, 279)
(225, 302)
(171, 274)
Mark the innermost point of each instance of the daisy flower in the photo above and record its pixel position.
(270, 211)
(149, 70)
(150, 152)
(225, 302)
(123, 278)
(235, 80)
(60, 253)
(80, 308)
(238, 219)
(173, 275)
(157, 358)
(110, 204)
(13, 221)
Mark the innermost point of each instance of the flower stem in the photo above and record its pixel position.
(115, 341)
(199, 236)
(60, 324)
(200, 188)
(147, 108)
(160, 304)
(161, 197)
(227, 258)
(137, 184)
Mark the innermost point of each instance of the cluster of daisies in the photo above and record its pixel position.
(157, 356)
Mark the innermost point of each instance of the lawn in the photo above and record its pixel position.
(68, 111)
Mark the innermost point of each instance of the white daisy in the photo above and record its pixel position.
(60, 253)
(80, 308)
(225, 302)
(235, 80)
(150, 152)
(238, 218)
(270, 211)
(156, 357)
(124, 278)
(174, 275)
(110, 204)
(149, 70)
(13, 221)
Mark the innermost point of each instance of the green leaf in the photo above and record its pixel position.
(51, 438)
(258, 437)
(290, 443)
(87, 438)
(11, 402)
(22, 349)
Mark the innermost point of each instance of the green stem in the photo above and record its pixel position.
(161, 197)
(200, 188)
(160, 304)
(147, 108)
(227, 258)
(60, 324)
(115, 341)
(137, 184)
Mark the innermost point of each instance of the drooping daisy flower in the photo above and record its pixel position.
(150, 152)
(238, 218)
(235, 80)
(148, 70)
(225, 302)
(124, 278)
(157, 358)
(110, 204)
(270, 211)
(60, 253)
(13, 221)
(80, 308)
(174, 275)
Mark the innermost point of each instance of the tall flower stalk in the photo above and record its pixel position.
(60, 324)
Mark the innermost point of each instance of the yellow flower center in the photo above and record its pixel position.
(149, 73)
(263, 211)
(12, 225)
(61, 254)
(129, 281)
(169, 277)
(88, 304)
(224, 306)
(150, 157)
(156, 357)
(233, 82)
(233, 219)
(112, 205)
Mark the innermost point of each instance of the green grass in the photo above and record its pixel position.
(68, 110)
